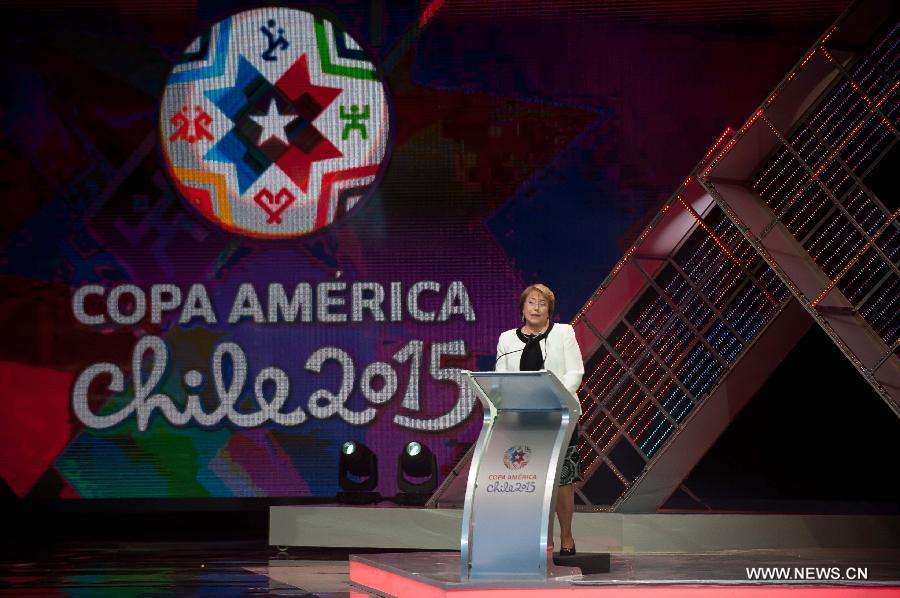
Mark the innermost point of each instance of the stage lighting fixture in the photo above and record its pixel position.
(417, 462)
(357, 474)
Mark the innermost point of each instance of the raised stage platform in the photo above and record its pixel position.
(393, 527)
(675, 555)
(436, 574)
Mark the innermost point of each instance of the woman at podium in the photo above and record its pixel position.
(540, 344)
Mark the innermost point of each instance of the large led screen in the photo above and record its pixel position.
(235, 237)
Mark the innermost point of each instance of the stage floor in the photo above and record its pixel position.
(390, 527)
(164, 568)
(253, 569)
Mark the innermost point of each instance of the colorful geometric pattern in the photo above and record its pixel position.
(268, 117)
(516, 457)
(503, 142)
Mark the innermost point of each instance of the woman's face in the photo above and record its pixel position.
(536, 311)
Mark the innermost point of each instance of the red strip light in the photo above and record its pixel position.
(857, 89)
(728, 131)
(733, 140)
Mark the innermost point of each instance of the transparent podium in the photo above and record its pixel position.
(510, 500)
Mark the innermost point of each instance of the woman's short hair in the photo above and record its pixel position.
(543, 290)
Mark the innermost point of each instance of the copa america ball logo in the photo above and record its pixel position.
(516, 457)
(274, 123)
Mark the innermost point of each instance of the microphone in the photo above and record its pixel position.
(501, 356)
(544, 353)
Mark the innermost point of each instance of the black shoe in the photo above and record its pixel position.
(567, 551)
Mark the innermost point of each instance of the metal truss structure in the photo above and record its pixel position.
(811, 181)
(792, 213)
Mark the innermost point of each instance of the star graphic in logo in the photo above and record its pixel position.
(516, 457)
(307, 144)
(273, 123)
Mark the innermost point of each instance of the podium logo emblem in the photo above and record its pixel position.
(275, 123)
(516, 457)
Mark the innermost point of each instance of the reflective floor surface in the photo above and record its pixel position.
(173, 569)
(119, 569)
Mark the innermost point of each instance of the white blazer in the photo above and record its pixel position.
(562, 356)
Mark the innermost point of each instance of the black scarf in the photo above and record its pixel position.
(532, 358)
